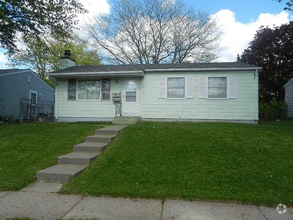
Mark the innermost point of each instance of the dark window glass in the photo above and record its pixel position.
(106, 87)
(71, 89)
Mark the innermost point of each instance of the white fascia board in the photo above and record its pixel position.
(202, 69)
(100, 74)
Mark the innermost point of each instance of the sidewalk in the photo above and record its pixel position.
(40, 201)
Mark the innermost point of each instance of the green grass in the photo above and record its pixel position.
(28, 148)
(249, 164)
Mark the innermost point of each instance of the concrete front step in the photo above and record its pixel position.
(77, 158)
(90, 147)
(60, 173)
(101, 138)
(126, 120)
(72, 164)
(111, 130)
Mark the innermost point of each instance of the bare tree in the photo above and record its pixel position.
(155, 31)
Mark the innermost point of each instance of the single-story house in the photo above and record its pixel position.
(23, 94)
(289, 98)
(162, 92)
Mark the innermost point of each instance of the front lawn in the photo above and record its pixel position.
(28, 148)
(208, 161)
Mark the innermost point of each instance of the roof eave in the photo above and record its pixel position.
(116, 74)
(203, 69)
(140, 73)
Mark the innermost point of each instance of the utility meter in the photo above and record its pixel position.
(116, 96)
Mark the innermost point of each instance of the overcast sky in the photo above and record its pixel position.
(238, 20)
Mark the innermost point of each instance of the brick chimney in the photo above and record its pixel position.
(66, 61)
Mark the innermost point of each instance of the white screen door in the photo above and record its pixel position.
(130, 99)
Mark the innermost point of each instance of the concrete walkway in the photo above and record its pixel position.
(40, 201)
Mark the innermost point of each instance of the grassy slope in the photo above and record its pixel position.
(207, 161)
(27, 148)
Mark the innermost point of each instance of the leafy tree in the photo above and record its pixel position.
(289, 5)
(36, 17)
(155, 31)
(43, 56)
(272, 49)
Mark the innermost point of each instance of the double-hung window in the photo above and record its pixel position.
(176, 87)
(89, 89)
(217, 87)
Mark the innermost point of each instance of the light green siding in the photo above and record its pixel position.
(241, 108)
(82, 108)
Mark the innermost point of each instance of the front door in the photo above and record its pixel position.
(130, 98)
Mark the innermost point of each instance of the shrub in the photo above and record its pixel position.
(272, 110)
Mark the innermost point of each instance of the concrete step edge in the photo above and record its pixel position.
(89, 148)
(60, 173)
(82, 155)
(103, 135)
(78, 158)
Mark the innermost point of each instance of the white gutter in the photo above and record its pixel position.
(202, 69)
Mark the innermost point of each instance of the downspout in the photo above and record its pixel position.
(56, 101)
(256, 108)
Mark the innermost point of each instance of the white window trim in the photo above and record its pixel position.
(188, 87)
(167, 87)
(228, 87)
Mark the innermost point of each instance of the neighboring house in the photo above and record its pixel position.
(289, 98)
(162, 92)
(24, 95)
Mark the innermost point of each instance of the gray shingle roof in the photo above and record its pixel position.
(143, 67)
